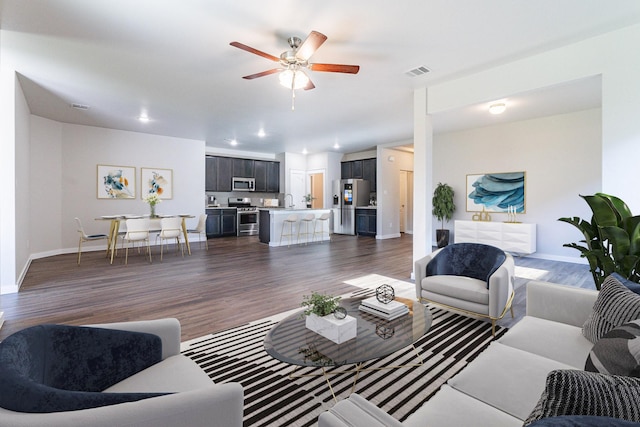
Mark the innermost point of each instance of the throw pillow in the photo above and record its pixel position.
(617, 352)
(582, 421)
(615, 305)
(573, 392)
(633, 286)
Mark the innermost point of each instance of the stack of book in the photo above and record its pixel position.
(390, 311)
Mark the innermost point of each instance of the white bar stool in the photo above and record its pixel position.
(307, 221)
(322, 220)
(288, 221)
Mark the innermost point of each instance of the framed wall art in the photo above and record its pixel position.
(116, 182)
(157, 181)
(496, 192)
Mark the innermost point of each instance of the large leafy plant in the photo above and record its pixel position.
(443, 206)
(611, 240)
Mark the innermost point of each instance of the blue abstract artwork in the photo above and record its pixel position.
(496, 192)
(116, 182)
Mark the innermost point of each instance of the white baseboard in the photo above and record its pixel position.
(387, 236)
(1, 318)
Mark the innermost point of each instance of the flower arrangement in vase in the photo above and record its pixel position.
(153, 199)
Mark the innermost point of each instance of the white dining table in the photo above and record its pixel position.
(114, 228)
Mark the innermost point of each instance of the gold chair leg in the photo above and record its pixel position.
(79, 250)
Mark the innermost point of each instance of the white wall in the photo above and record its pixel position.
(76, 151)
(560, 155)
(388, 189)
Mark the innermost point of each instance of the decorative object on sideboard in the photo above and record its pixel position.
(385, 294)
(612, 238)
(481, 216)
(511, 215)
(443, 209)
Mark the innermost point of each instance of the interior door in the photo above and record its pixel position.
(317, 190)
(403, 201)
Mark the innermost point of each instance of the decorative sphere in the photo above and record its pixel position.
(385, 294)
(340, 313)
(385, 330)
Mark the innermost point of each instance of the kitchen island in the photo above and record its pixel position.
(271, 220)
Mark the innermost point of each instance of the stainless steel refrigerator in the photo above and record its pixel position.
(347, 195)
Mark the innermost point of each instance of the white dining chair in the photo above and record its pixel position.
(201, 229)
(84, 237)
(137, 231)
(170, 228)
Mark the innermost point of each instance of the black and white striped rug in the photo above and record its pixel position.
(272, 399)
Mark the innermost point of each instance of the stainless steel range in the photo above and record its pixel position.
(247, 216)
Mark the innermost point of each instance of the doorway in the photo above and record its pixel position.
(297, 188)
(317, 190)
(406, 201)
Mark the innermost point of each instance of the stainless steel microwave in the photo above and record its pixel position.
(243, 184)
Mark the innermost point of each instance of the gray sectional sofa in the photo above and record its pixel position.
(504, 384)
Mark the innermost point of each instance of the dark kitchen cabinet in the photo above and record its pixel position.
(345, 170)
(273, 177)
(360, 169)
(224, 173)
(211, 178)
(366, 222)
(356, 169)
(369, 173)
(243, 168)
(221, 170)
(221, 222)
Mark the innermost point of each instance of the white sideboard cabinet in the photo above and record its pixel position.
(515, 238)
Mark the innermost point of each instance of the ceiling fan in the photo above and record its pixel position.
(293, 62)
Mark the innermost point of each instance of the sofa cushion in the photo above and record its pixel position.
(174, 374)
(582, 421)
(506, 378)
(449, 407)
(617, 352)
(573, 392)
(458, 287)
(473, 260)
(554, 340)
(615, 305)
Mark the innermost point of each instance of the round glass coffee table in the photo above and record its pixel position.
(291, 342)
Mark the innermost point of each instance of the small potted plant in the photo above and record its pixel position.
(443, 209)
(307, 199)
(153, 199)
(324, 316)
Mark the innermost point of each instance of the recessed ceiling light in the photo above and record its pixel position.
(261, 133)
(304, 151)
(233, 142)
(143, 118)
(336, 145)
(497, 108)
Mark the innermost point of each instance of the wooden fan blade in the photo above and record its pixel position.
(313, 41)
(254, 51)
(262, 74)
(335, 68)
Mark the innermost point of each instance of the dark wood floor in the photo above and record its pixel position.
(235, 281)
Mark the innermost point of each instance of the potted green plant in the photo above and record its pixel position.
(611, 240)
(443, 209)
(320, 304)
(321, 317)
(307, 199)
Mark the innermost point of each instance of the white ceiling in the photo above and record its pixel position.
(172, 60)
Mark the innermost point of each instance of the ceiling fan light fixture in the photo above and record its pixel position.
(293, 79)
(497, 108)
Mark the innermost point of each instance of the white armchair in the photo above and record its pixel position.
(473, 278)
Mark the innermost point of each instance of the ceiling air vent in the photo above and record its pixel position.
(417, 71)
(80, 106)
